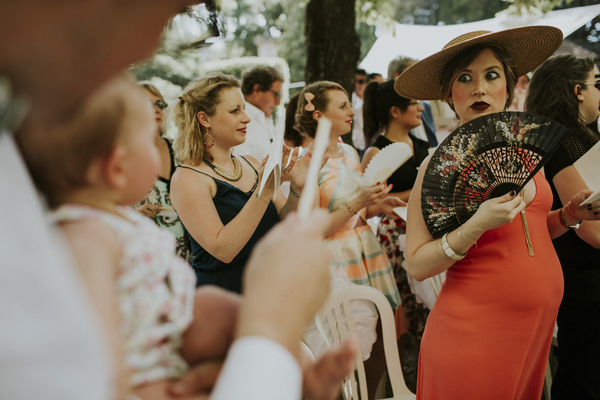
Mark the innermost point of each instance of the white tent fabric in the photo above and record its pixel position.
(420, 41)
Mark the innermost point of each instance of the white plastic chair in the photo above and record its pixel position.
(336, 313)
(548, 378)
(437, 282)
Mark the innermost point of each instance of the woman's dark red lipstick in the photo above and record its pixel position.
(480, 106)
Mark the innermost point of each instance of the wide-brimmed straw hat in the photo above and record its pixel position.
(527, 46)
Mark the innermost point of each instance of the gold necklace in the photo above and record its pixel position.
(235, 176)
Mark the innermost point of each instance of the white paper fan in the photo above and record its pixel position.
(402, 212)
(593, 197)
(388, 160)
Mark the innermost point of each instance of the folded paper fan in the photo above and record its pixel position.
(484, 158)
(402, 212)
(386, 161)
(593, 197)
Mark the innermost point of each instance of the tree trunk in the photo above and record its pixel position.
(332, 44)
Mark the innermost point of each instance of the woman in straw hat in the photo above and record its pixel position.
(570, 83)
(489, 333)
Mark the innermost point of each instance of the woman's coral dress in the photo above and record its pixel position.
(489, 333)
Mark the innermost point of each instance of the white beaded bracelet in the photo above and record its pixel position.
(449, 251)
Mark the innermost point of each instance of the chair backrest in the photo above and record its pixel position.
(437, 281)
(337, 315)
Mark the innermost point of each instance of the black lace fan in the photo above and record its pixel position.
(484, 158)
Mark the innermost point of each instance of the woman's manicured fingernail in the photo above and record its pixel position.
(378, 183)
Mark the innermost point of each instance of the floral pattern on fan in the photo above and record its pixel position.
(483, 159)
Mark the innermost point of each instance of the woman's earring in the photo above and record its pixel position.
(208, 146)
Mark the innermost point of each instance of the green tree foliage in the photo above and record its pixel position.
(432, 12)
(287, 19)
(246, 21)
(291, 44)
(460, 11)
(250, 20)
(177, 70)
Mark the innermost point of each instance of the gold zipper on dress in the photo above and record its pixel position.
(527, 237)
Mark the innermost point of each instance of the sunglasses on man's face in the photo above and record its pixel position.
(160, 104)
(360, 81)
(276, 94)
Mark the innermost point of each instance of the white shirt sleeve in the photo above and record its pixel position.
(257, 368)
(50, 338)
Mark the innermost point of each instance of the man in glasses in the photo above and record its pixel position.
(359, 85)
(262, 89)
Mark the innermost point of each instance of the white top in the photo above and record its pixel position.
(155, 288)
(358, 134)
(50, 344)
(260, 133)
(257, 368)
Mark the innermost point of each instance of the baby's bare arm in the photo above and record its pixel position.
(211, 332)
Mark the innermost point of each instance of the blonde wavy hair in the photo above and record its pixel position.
(151, 88)
(204, 95)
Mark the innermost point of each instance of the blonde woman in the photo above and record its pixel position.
(216, 193)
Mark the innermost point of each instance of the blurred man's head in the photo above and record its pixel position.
(360, 83)
(261, 86)
(61, 50)
(398, 65)
(374, 76)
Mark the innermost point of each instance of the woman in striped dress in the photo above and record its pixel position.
(356, 253)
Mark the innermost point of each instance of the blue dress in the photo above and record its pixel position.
(229, 201)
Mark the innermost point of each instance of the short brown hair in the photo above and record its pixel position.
(199, 95)
(261, 74)
(290, 132)
(60, 160)
(304, 119)
(151, 88)
(462, 60)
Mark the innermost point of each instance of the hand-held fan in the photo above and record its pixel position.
(484, 158)
(311, 182)
(386, 161)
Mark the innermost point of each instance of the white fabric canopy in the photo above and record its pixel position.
(420, 41)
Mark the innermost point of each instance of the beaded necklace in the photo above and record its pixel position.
(235, 176)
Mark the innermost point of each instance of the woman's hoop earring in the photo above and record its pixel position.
(208, 146)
